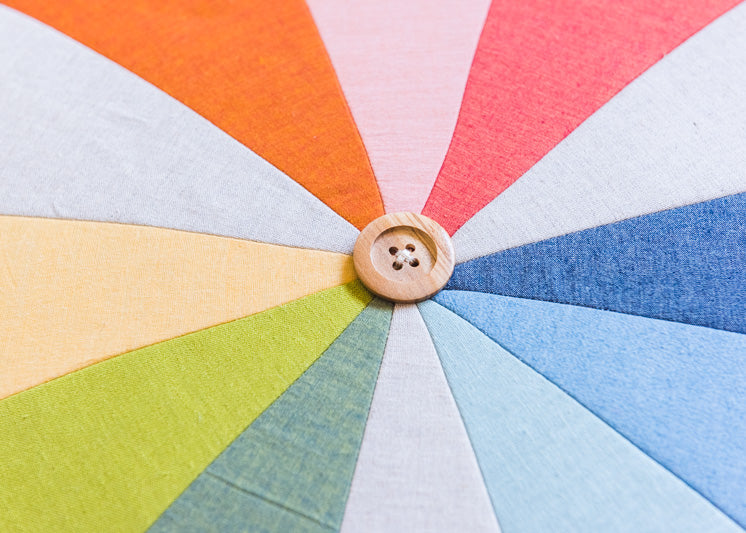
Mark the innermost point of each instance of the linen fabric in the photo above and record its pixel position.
(417, 471)
(672, 137)
(549, 463)
(291, 469)
(541, 68)
(83, 138)
(76, 293)
(403, 67)
(217, 423)
(675, 391)
(117, 442)
(279, 96)
(686, 264)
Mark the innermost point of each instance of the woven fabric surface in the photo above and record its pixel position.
(541, 68)
(549, 463)
(673, 137)
(416, 471)
(77, 293)
(117, 442)
(291, 469)
(403, 67)
(685, 264)
(279, 96)
(83, 138)
(676, 391)
(165, 372)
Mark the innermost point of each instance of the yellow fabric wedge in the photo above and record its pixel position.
(75, 293)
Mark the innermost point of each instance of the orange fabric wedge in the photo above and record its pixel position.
(256, 69)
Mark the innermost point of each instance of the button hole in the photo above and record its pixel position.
(397, 265)
(410, 247)
(415, 262)
(393, 250)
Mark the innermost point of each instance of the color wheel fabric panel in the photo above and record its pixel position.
(185, 345)
(670, 138)
(169, 166)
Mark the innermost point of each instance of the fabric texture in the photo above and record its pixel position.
(77, 293)
(279, 96)
(416, 471)
(676, 391)
(673, 137)
(83, 138)
(549, 463)
(541, 68)
(256, 423)
(117, 442)
(403, 67)
(686, 264)
(291, 469)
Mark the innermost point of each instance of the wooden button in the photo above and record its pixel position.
(404, 257)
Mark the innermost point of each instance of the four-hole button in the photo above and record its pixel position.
(404, 257)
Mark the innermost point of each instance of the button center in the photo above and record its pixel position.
(404, 257)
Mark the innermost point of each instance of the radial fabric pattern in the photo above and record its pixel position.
(185, 343)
